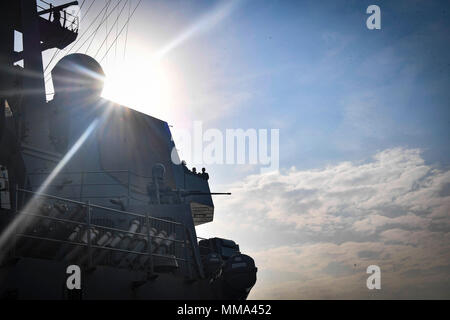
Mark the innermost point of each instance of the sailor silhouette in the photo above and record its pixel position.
(57, 18)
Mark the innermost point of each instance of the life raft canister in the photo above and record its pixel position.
(239, 275)
(212, 264)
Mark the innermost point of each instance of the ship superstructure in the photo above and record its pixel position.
(88, 182)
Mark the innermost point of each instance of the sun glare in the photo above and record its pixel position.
(141, 84)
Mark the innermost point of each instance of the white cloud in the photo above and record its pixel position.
(313, 232)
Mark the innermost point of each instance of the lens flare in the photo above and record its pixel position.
(19, 220)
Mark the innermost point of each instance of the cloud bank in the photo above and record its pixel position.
(313, 233)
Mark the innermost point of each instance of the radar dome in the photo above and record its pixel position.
(78, 73)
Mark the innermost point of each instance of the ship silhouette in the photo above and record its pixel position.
(88, 182)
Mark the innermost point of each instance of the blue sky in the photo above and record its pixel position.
(337, 90)
(364, 123)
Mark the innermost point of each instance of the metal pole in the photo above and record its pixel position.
(81, 185)
(188, 264)
(128, 205)
(17, 196)
(149, 245)
(32, 54)
(6, 57)
(16, 212)
(89, 235)
(158, 199)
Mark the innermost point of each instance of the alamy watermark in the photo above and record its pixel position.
(374, 20)
(73, 281)
(231, 146)
(374, 280)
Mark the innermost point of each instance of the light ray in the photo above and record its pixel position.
(205, 23)
(18, 221)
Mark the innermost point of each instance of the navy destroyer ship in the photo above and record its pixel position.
(90, 183)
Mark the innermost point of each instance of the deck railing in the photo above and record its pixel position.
(129, 188)
(67, 20)
(61, 234)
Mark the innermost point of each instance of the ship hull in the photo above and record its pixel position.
(40, 279)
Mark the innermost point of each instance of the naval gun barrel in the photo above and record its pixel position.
(200, 193)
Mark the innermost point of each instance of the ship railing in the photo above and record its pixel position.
(67, 20)
(130, 188)
(56, 240)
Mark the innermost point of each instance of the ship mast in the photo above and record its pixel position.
(51, 27)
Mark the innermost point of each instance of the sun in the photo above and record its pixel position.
(139, 83)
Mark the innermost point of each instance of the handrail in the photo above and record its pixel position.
(70, 21)
(50, 5)
(96, 226)
(184, 243)
(84, 173)
(96, 247)
(97, 206)
(129, 185)
(95, 172)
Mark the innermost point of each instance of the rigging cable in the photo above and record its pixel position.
(58, 50)
(95, 33)
(106, 38)
(106, 28)
(118, 35)
(101, 22)
(48, 76)
(126, 23)
(126, 33)
(117, 29)
(92, 33)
